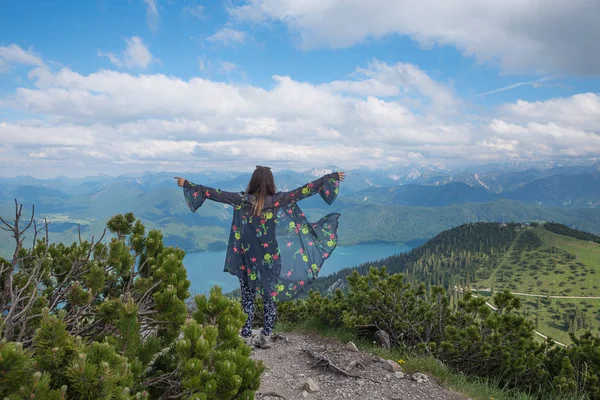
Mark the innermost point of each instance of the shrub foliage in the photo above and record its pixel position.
(108, 319)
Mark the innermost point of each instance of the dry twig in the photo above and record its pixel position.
(271, 394)
(323, 361)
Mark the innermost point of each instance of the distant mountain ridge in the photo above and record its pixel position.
(496, 178)
(508, 179)
(425, 196)
(575, 190)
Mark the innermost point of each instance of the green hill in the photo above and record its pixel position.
(545, 264)
(362, 223)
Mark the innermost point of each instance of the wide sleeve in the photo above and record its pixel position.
(327, 186)
(195, 195)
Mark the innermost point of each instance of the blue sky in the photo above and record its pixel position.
(171, 84)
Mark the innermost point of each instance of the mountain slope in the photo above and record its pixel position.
(581, 190)
(362, 223)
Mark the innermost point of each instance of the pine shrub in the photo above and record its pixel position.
(107, 319)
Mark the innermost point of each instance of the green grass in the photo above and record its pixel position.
(559, 266)
(586, 251)
(473, 387)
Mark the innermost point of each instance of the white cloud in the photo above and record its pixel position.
(13, 54)
(65, 135)
(152, 14)
(400, 79)
(379, 115)
(227, 67)
(202, 64)
(228, 36)
(524, 35)
(578, 111)
(135, 55)
(547, 140)
(195, 11)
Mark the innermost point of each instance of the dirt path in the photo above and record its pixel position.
(540, 295)
(492, 277)
(557, 297)
(289, 366)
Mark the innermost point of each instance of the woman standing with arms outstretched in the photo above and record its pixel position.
(272, 248)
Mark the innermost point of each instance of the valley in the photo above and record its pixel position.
(483, 229)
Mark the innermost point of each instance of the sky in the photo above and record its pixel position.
(125, 86)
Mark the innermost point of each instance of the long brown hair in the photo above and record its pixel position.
(261, 185)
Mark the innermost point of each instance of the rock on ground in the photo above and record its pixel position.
(383, 338)
(289, 368)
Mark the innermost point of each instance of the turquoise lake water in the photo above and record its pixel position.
(205, 269)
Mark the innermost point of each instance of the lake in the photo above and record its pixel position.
(205, 269)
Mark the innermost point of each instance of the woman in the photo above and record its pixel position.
(262, 220)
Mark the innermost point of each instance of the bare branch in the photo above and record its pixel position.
(8, 226)
(35, 233)
(32, 216)
(322, 361)
(161, 378)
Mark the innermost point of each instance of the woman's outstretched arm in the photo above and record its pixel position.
(327, 186)
(195, 194)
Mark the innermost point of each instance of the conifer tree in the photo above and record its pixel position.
(214, 359)
(565, 381)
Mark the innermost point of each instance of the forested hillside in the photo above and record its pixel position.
(554, 268)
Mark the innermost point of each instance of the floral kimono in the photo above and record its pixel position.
(279, 252)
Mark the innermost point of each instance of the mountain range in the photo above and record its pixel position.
(401, 204)
(577, 191)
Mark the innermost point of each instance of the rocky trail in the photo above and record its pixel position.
(302, 365)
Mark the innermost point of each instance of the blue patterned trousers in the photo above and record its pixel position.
(270, 308)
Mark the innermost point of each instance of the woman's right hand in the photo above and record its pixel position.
(180, 181)
(341, 175)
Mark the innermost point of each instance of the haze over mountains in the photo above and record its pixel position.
(401, 204)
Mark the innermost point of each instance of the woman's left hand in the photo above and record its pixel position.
(180, 181)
